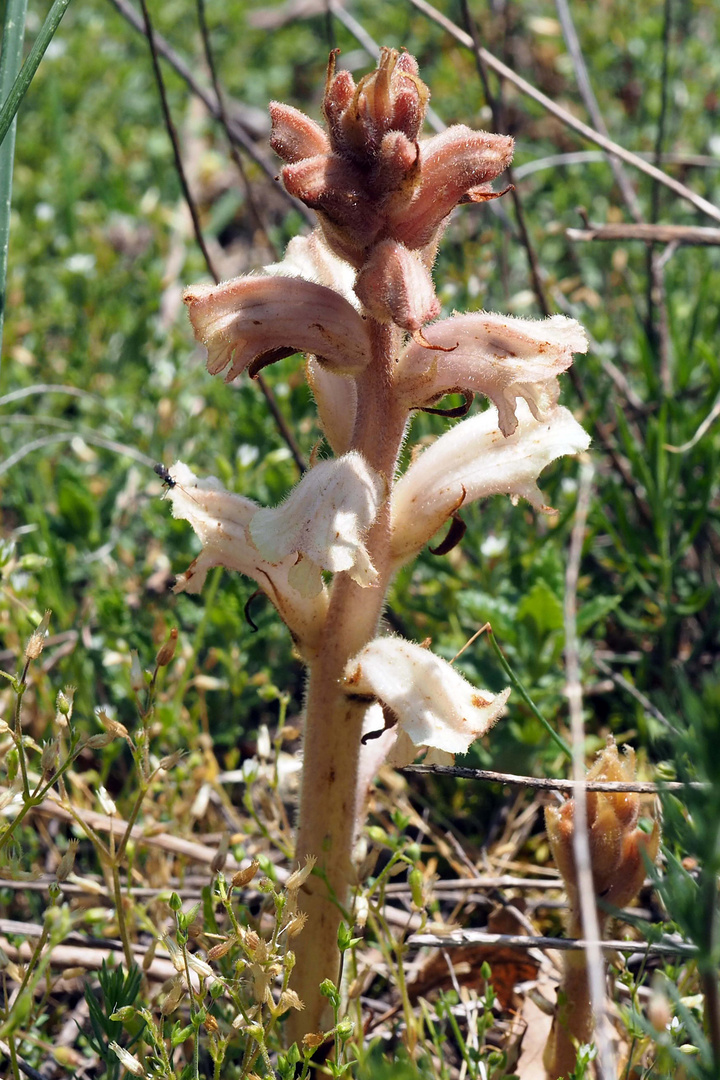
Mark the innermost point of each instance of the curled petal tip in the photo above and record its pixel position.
(419, 337)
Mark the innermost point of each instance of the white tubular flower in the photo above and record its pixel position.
(250, 322)
(473, 460)
(322, 523)
(336, 401)
(431, 703)
(221, 521)
(496, 355)
(310, 258)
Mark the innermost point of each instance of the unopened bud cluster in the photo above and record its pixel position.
(619, 850)
(619, 854)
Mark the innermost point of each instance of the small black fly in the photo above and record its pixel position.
(164, 474)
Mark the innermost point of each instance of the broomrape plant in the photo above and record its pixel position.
(357, 298)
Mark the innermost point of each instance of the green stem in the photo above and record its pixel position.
(122, 924)
(10, 61)
(27, 71)
(13, 1057)
(558, 739)
(131, 821)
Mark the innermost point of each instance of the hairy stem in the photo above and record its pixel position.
(333, 722)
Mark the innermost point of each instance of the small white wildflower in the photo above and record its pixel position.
(127, 1060)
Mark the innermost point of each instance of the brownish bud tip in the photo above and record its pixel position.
(167, 651)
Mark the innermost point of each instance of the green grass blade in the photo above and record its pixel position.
(10, 61)
(25, 77)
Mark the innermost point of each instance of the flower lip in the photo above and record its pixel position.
(434, 705)
(220, 519)
(250, 321)
(473, 460)
(322, 523)
(503, 357)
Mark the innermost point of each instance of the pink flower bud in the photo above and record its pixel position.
(334, 186)
(294, 135)
(391, 98)
(451, 164)
(339, 91)
(397, 165)
(396, 287)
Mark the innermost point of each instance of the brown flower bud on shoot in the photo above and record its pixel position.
(619, 853)
(67, 863)
(243, 877)
(167, 651)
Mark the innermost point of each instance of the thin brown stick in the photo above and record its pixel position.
(73, 956)
(225, 123)
(533, 264)
(607, 1066)
(656, 322)
(648, 233)
(236, 130)
(526, 941)
(548, 784)
(12, 1055)
(172, 132)
(567, 118)
(623, 683)
(591, 104)
(197, 229)
(176, 845)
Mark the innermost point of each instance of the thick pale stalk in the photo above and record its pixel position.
(333, 723)
(574, 1024)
